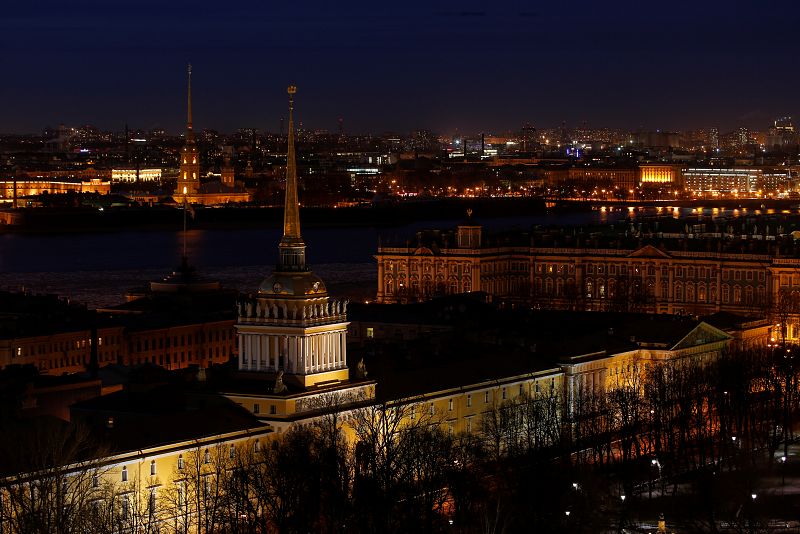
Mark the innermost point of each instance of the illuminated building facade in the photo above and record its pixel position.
(541, 271)
(135, 175)
(38, 186)
(737, 180)
(657, 174)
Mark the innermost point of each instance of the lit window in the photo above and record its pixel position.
(370, 332)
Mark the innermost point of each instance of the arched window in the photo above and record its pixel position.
(180, 461)
(152, 468)
(726, 293)
(678, 293)
(207, 457)
(737, 295)
(124, 473)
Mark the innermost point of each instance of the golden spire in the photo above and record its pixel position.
(189, 130)
(292, 249)
(291, 210)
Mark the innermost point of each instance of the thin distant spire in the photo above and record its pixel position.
(189, 129)
(291, 211)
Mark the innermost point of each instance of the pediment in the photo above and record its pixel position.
(703, 334)
(648, 251)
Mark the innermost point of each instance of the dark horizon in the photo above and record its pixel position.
(469, 67)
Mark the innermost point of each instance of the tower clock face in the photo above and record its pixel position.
(277, 287)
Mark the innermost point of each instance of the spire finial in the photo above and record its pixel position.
(189, 114)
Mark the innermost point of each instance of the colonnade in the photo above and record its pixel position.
(296, 354)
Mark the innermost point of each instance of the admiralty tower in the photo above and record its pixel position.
(291, 328)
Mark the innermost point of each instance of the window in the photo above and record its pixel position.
(152, 503)
(95, 481)
(257, 446)
(469, 401)
(126, 503)
(207, 457)
(504, 393)
(273, 409)
(413, 412)
(256, 408)
(232, 452)
(124, 474)
(432, 409)
(370, 332)
(450, 405)
(152, 468)
(469, 424)
(180, 461)
(486, 397)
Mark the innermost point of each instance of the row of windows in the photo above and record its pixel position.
(183, 340)
(535, 388)
(181, 464)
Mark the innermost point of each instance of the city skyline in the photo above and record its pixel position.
(472, 67)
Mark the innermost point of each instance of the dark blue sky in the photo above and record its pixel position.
(470, 65)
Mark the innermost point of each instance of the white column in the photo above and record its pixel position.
(339, 343)
(325, 353)
(312, 341)
(344, 352)
(241, 352)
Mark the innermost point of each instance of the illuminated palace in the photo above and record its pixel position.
(690, 271)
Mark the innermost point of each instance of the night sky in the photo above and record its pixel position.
(470, 65)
